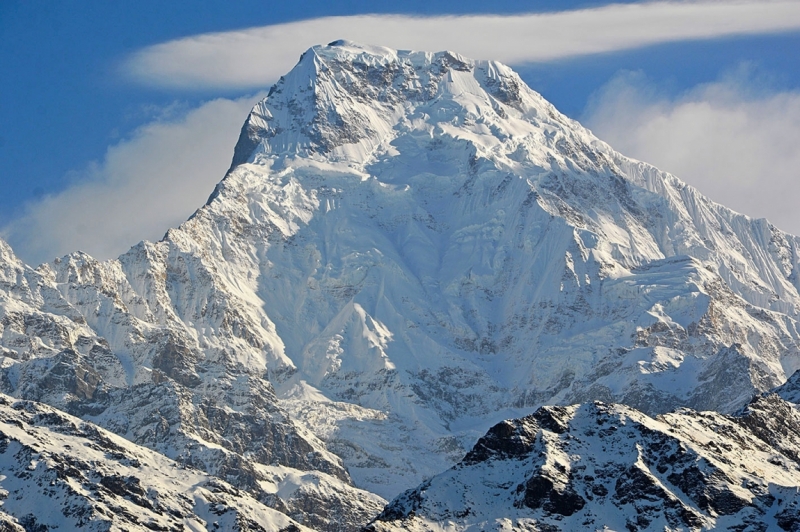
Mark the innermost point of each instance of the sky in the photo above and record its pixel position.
(118, 118)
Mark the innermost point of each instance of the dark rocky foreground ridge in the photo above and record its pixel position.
(609, 467)
(409, 248)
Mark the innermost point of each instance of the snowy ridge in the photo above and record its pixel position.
(63, 473)
(409, 247)
(609, 467)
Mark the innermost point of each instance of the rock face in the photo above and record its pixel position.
(409, 247)
(599, 467)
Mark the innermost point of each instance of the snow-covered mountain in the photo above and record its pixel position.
(408, 248)
(229, 424)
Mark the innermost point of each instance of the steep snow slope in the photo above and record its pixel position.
(409, 247)
(610, 467)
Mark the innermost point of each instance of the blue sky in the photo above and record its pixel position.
(110, 133)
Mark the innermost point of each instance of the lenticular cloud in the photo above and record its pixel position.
(256, 57)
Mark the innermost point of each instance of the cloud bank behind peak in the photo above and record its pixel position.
(256, 57)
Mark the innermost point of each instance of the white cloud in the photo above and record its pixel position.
(144, 186)
(256, 57)
(735, 142)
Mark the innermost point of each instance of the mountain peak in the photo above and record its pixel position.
(345, 47)
(345, 99)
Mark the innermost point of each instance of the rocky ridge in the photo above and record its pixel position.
(60, 472)
(609, 467)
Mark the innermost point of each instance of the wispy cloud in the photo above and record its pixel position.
(256, 57)
(733, 140)
(144, 186)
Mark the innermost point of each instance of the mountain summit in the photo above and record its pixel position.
(346, 100)
(408, 248)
